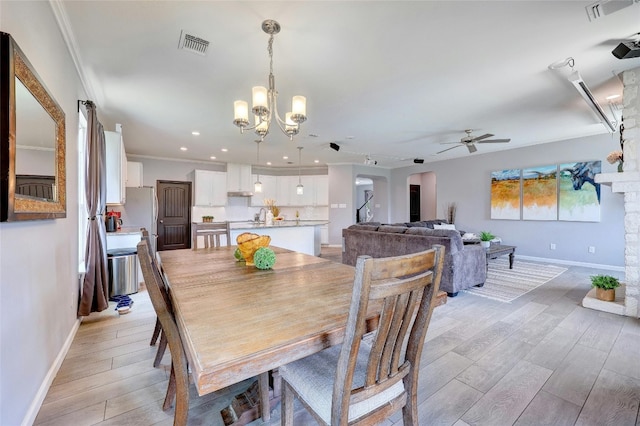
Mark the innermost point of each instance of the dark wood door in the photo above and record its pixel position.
(174, 215)
(414, 203)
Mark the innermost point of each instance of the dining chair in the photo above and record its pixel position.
(362, 382)
(178, 387)
(178, 379)
(211, 233)
(157, 330)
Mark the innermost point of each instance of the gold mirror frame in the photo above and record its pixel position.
(14, 64)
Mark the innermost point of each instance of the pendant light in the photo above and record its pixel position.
(299, 188)
(257, 187)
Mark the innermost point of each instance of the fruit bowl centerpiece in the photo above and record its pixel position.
(249, 243)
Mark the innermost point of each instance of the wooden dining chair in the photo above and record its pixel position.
(179, 378)
(157, 331)
(361, 383)
(211, 233)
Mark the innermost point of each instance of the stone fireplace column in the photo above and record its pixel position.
(628, 183)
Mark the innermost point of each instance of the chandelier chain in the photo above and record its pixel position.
(270, 50)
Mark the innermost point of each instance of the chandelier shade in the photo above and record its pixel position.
(264, 101)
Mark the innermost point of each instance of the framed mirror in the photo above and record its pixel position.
(32, 141)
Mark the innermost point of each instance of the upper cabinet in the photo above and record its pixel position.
(134, 175)
(269, 190)
(210, 188)
(239, 178)
(116, 161)
(315, 191)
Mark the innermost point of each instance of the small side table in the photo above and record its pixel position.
(496, 250)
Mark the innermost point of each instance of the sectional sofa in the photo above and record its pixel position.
(464, 265)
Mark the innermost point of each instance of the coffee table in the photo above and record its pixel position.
(496, 250)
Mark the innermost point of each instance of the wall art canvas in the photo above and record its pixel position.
(505, 194)
(579, 195)
(540, 193)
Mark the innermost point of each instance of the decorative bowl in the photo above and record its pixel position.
(249, 243)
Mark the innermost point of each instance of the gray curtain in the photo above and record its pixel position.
(95, 288)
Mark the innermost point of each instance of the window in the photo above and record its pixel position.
(82, 199)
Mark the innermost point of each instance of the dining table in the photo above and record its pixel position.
(237, 321)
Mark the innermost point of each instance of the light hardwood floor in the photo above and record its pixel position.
(542, 359)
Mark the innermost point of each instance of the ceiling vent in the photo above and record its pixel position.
(606, 7)
(193, 44)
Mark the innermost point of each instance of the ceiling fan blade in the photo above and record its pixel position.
(488, 135)
(449, 143)
(472, 148)
(496, 141)
(445, 150)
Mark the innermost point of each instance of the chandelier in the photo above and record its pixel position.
(265, 107)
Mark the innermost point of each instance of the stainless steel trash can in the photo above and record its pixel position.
(123, 271)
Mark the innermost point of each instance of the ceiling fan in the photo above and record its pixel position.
(470, 141)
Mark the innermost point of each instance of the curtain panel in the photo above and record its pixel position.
(95, 287)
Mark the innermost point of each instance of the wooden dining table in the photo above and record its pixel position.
(238, 321)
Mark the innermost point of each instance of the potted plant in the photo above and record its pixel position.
(207, 219)
(605, 287)
(485, 238)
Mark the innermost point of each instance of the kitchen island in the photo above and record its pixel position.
(302, 236)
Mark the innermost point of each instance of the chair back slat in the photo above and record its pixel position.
(404, 288)
(162, 305)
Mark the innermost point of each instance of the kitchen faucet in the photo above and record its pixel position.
(262, 209)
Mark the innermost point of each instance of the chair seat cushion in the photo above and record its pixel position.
(313, 377)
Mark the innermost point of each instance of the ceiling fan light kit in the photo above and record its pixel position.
(265, 105)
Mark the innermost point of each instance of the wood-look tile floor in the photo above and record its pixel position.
(542, 359)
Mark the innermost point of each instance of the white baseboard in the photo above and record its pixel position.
(571, 262)
(34, 408)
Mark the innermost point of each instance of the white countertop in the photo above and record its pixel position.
(277, 224)
(126, 230)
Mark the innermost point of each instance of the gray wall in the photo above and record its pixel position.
(39, 259)
(466, 181)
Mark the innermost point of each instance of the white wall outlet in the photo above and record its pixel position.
(592, 249)
(552, 246)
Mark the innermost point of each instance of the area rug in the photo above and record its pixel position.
(504, 284)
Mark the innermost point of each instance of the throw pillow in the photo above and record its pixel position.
(444, 226)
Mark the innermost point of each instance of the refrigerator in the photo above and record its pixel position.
(141, 210)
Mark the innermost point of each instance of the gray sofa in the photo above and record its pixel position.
(464, 265)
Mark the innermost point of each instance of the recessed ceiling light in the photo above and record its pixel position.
(350, 137)
(195, 133)
(313, 135)
(285, 157)
(611, 97)
(183, 148)
(213, 157)
(224, 150)
(268, 163)
(316, 161)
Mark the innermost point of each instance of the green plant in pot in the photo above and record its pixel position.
(605, 287)
(485, 238)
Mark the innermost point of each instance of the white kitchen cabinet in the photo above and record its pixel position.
(134, 174)
(239, 178)
(210, 188)
(286, 190)
(269, 190)
(308, 196)
(116, 162)
(324, 234)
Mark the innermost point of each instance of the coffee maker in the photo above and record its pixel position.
(113, 221)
